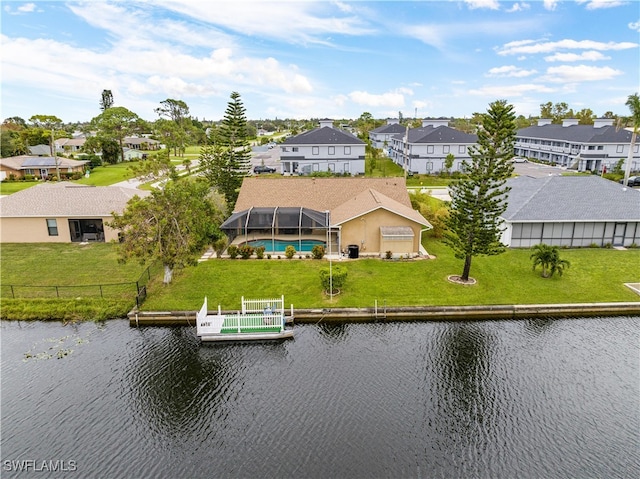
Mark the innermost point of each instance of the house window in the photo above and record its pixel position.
(284, 148)
(445, 149)
(294, 148)
(461, 149)
(332, 150)
(619, 148)
(600, 147)
(430, 149)
(315, 150)
(347, 150)
(52, 226)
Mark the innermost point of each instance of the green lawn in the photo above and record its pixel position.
(64, 264)
(10, 187)
(595, 275)
(76, 270)
(109, 174)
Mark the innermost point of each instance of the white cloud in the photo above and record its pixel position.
(550, 4)
(393, 99)
(532, 47)
(579, 73)
(519, 7)
(24, 8)
(297, 22)
(575, 57)
(635, 26)
(508, 91)
(510, 71)
(596, 4)
(490, 4)
(27, 8)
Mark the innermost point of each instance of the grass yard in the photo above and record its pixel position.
(109, 174)
(76, 270)
(595, 275)
(10, 187)
(64, 264)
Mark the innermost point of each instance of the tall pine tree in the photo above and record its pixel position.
(232, 137)
(474, 225)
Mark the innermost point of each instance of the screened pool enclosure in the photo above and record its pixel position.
(275, 226)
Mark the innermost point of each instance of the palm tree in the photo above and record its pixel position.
(548, 257)
(633, 102)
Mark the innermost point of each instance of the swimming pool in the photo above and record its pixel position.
(279, 245)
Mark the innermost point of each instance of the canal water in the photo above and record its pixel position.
(491, 399)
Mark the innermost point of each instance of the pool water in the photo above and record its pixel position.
(278, 246)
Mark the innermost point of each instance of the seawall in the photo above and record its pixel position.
(413, 313)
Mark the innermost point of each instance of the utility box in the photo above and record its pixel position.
(354, 250)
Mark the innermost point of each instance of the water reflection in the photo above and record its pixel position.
(497, 399)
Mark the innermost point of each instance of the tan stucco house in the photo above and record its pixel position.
(39, 166)
(62, 213)
(367, 215)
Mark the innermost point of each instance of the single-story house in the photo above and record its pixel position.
(62, 213)
(40, 150)
(571, 211)
(39, 166)
(365, 216)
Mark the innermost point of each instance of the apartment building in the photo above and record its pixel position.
(579, 147)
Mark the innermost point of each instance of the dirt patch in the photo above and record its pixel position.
(458, 280)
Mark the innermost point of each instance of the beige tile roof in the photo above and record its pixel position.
(371, 200)
(67, 199)
(346, 198)
(320, 194)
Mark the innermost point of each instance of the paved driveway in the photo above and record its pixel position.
(537, 170)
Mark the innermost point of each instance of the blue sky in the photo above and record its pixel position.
(318, 59)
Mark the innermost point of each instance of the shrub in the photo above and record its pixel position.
(219, 245)
(260, 252)
(233, 251)
(245, 251)
(317, 251)
(336, 279)
(269, 256)
(289, 251)
(608, 245)
(388, 254)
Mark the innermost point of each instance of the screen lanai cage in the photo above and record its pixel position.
(276, 227)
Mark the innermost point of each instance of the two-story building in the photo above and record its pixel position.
(323, 149)
(425, 149)
(580, 147)
(381, 137)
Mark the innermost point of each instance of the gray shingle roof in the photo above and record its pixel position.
(390, 129)
(324, 136)
(440, 134)
(67, 200)
(570, 198)
(577, 133)
(26, 162)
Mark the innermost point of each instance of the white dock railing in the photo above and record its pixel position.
(257, 315)
(247, 322)
(263, 306)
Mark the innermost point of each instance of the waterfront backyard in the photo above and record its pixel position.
(595, 275)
